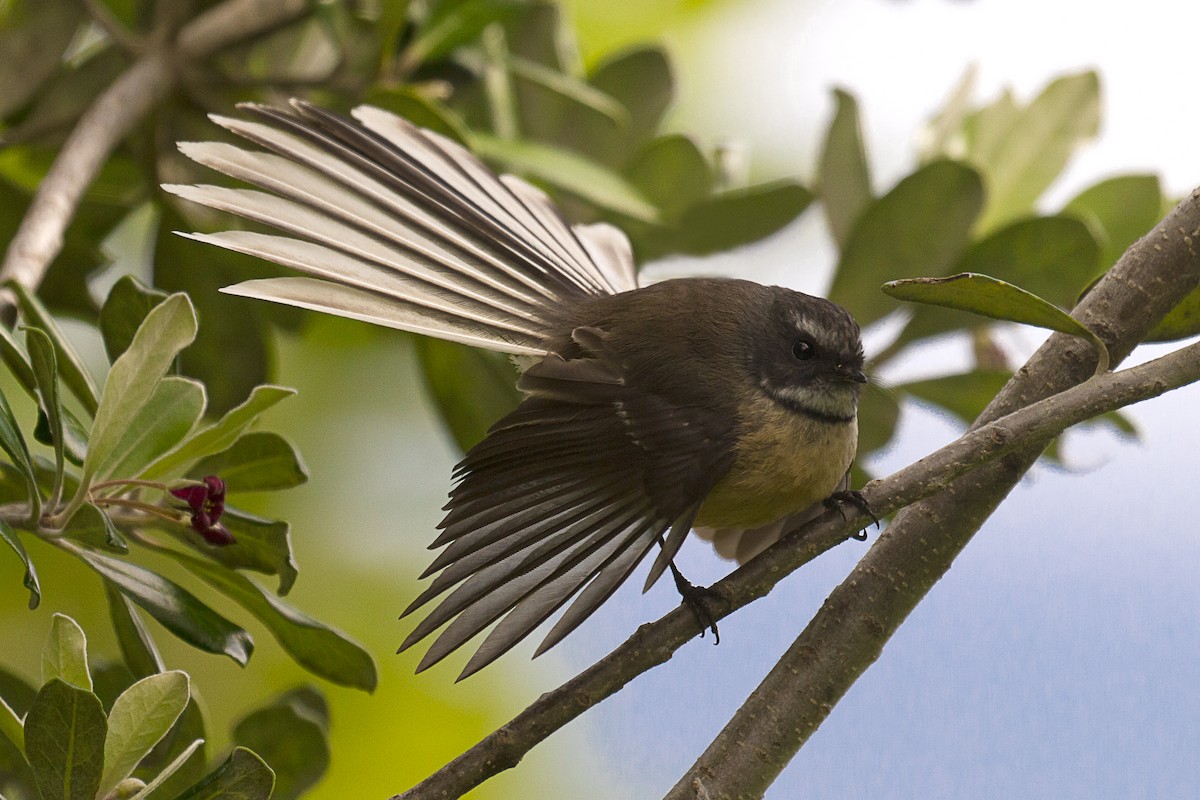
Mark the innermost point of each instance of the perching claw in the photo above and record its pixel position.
(696, 598)
(837, 500)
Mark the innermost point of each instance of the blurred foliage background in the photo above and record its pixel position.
(577, 99)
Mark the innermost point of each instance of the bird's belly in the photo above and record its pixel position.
(783, 466)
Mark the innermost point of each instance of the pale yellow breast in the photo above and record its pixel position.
(785, 464)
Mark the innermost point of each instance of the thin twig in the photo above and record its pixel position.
(115, 113)
(654, 643)
(850, 630)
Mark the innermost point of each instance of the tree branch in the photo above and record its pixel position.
(655, 643)
(848, 633)
(115, 113)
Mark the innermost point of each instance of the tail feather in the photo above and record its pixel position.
(404, 228)
(377, 309)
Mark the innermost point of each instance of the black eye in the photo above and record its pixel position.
(803, 350)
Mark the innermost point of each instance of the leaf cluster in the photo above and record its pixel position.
(136, 731)
(968, 226)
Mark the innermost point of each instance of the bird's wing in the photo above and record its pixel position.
(402, 227)
(564, 497)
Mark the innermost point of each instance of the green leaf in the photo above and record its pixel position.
(1048, 256)
(65, 653)
(262, 545)
(1053, 257)
(14, 445)
(1033, 148)
(844, 172)
(298, 759)
(964, 395)
(133, 379)
(737, 217)
(1124, 209)
(70, 366)
(137, 648)
(45, 370)
(452, 25)
(33, 38)
(472, 388)
(988, 297)
(314, 646)
(17, 363)
(175, 609)
(1180, 322)
(16, 697)
(92, 526)
(640, 80)
(986, 129)
(126, 307)
(12, 727)
(671, 173)
(941, 138)
(569, 87)
(259, 461)
(215, 438)
(920, 227)
(243, 776)
(31, 579)
(64, 740)
(74, 435)
(170, 414)
(140, 717)
(568, 171)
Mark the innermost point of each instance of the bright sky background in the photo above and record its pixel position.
(1057, 659)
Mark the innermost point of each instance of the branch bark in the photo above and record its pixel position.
(119, 110)
(1023, 431)
(848, 634)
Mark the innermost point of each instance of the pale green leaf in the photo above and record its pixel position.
(167, 329)
(215, 438)
(1037, 146)
(170, 414)
(139, 718)
(65, 653)
(844, 172)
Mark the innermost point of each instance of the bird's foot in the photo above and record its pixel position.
(697, 599)
(838, 500)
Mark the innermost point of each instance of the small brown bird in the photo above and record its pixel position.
(697, 402)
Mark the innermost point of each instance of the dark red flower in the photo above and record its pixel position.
(207, 503)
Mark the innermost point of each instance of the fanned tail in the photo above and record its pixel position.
(399, 226)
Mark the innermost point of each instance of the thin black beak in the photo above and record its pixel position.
(851, 374)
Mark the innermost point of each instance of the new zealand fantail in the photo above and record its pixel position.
(696, 402)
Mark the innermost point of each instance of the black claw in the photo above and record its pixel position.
(838, 499)
(697, 598)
